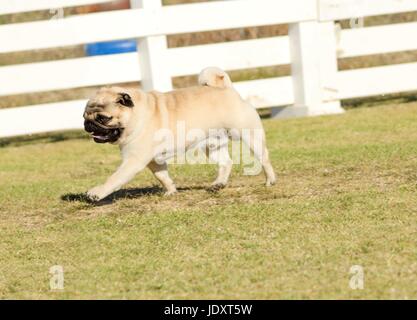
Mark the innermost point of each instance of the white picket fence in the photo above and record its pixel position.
(312, 48)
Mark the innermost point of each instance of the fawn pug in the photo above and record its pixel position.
(132, 119)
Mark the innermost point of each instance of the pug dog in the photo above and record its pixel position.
(134, 119)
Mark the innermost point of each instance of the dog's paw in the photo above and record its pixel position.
(95, 194)
(270, 183)
(170, 193)
(216, 187)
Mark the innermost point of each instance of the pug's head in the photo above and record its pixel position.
(108, 113)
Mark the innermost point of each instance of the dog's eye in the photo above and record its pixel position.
(125, 100)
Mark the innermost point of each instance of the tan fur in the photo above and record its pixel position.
(214, 77)
(202, 107)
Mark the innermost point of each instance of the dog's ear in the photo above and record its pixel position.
(125, 100)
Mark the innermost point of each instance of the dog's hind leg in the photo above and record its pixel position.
(257, 144)
(267, 166)
(221, 156)
(161, 173)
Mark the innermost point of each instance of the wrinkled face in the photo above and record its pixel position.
(107, 114)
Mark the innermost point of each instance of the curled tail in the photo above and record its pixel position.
(214, 77)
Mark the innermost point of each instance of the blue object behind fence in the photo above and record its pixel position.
(111, 47)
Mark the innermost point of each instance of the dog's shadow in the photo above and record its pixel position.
(130, 193)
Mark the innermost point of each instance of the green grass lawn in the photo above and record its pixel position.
(346, 196)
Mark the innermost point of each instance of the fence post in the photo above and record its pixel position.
(328, 69)
(314, 68)
(153, 58)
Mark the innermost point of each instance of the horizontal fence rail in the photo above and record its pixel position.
(119, 68)
(377, 40)
(42, 118)
(312, 48)
(136, 23)
(330, 10)
(18, 6)
(377, 81)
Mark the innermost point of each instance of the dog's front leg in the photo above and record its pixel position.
(127, 170)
